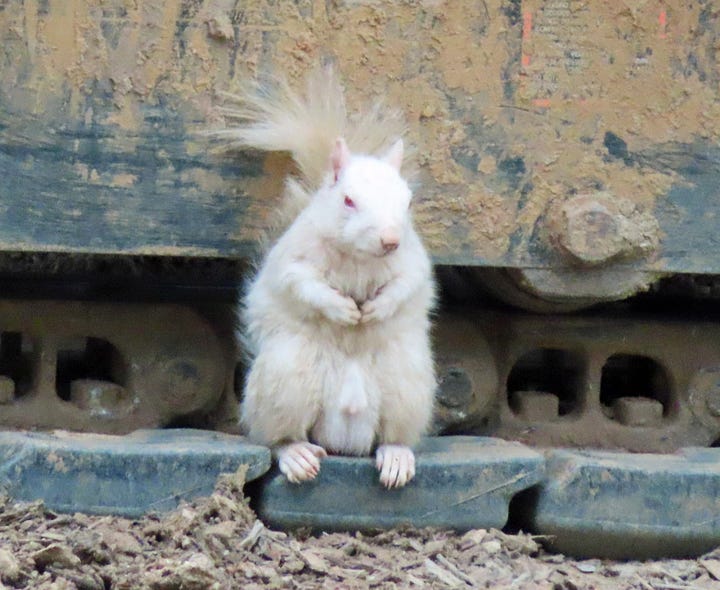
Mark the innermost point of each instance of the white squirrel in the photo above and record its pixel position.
(336, 320)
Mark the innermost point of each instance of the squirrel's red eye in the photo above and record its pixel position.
(349, 202)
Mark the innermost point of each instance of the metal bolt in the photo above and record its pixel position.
(595, 228)
(704, 395)
(589, 231)
(220, 27)
(455, 388)
(711, 381)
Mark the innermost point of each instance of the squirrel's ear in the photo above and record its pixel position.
(394, 157)
(339, 157)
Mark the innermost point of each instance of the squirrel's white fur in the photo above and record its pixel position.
(337, 317)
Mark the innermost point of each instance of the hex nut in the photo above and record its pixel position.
(590, 232)
(594, 229)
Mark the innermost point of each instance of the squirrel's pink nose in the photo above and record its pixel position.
(389, 241)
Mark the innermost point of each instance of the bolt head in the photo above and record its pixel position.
(589, 231)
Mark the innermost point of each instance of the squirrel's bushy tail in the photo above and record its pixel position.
(273, 117)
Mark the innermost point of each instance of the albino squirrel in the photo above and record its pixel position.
(336, 320)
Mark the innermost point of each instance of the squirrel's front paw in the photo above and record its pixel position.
(377, 310)
(344, 311)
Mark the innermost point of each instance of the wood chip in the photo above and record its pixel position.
(314, 561)
(712, 566)
(587, 567)
(9, 566)
(433, 547)
(442, 574)
(252, 537)
(56, 554)
(121, 542)
(472, 538)
(492, 547)
(450, 566)
(52, 536)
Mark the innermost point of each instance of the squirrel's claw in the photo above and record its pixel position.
(300, 461)
(396, 464)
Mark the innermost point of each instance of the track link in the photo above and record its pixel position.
(106, 367)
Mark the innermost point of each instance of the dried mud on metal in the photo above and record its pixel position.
(217, 543)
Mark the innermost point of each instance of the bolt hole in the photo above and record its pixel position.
(634, 376)
(547, 371)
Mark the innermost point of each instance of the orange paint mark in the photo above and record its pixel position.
(527, 26)
(542, 102)
(662, 24)
(526, 30)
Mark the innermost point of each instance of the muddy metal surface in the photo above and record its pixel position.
(550, 133)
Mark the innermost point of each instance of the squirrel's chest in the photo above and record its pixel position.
(358, 283)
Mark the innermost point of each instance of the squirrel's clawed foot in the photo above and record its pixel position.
(300, 461)
(396, 464)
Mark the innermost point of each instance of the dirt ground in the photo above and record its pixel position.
(217, 543)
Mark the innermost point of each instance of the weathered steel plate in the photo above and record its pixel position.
(462, 482)
(625, 506)
(146, 471)
(514, 107)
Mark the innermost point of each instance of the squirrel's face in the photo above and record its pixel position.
(372, 202)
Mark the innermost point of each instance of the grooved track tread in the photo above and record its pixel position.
(622, 505)
(148, 470)
(462, 482)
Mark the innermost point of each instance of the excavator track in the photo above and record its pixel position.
(601, 380)
(108, 367)
(550, 386)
